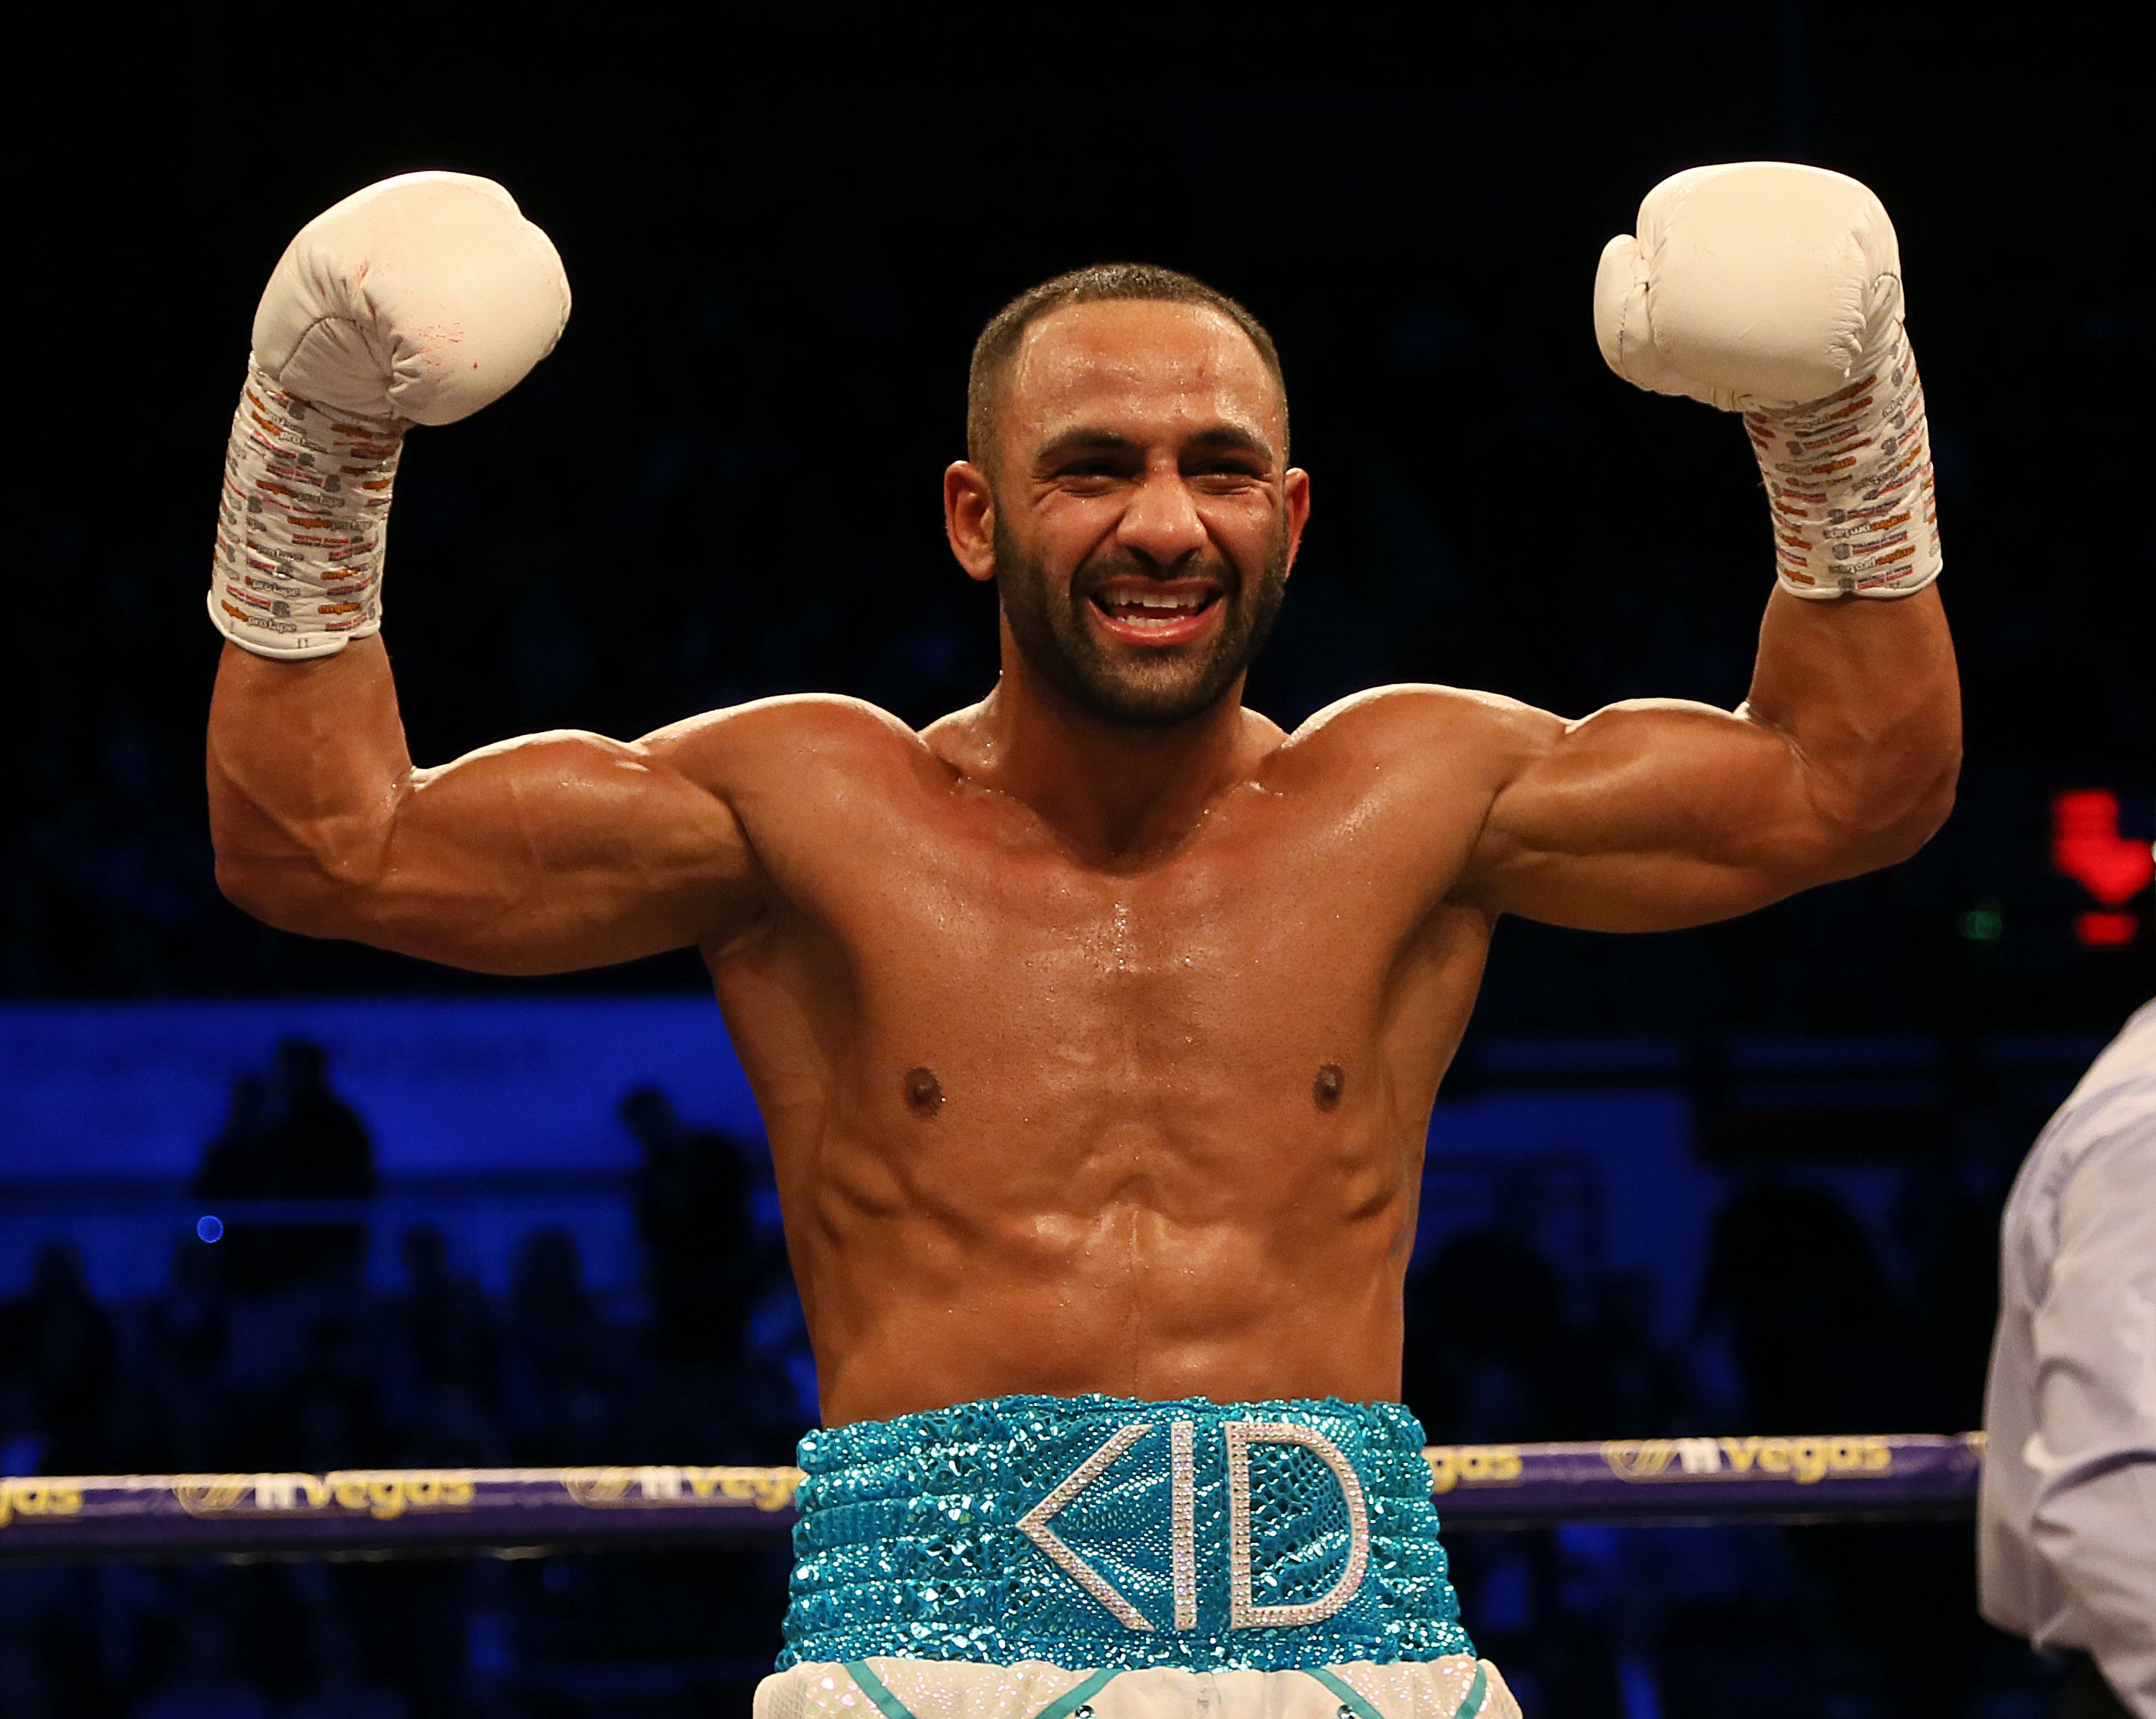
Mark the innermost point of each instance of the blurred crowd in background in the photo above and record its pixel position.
(269, 1350)
(723, 486)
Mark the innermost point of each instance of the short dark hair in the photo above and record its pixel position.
(1100, 282)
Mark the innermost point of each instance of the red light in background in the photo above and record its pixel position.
(2105, 931)
(2086, 846)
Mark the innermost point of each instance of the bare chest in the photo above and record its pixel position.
(1273, 960)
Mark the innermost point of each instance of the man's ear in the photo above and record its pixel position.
(969, 518)
(1296, 493)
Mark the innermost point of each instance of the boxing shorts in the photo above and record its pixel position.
(1100, 1557)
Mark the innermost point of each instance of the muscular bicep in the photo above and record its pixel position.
(1658, 813)
(1650, 815)
(540, 855)
(557, 851)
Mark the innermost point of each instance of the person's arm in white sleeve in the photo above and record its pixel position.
(2094, 1450)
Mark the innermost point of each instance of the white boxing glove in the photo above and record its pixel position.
(1775, 290)
(417, 300)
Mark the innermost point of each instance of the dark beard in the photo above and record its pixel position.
(1059, 643)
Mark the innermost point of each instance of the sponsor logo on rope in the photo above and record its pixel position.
(1807, 1461)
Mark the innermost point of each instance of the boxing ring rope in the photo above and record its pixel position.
(388, 1512)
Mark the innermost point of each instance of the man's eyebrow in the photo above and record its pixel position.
(1086, 438)
(1233, 436)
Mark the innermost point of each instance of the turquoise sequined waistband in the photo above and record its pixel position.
(1103, 1531)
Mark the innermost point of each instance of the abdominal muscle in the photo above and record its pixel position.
(1148, 1274)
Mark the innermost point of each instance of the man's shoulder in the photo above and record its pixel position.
(2110, 1117)
(2114, 1102)
(2128, 1063)
(789, 739)
(1424, 723)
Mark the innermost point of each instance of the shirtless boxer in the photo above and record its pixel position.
(1096, 1027)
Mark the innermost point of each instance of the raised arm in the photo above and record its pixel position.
(538, 855)
(1655, 814)
(418, 301)
(1775, 290)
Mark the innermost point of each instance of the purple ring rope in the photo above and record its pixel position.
(1828, 1478)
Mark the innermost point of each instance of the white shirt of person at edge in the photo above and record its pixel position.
(2067, 1523)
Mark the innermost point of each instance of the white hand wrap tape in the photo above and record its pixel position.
(1849, 482)
(301, 524)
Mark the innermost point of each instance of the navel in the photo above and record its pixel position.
(924, 1093)
(1326, 1089)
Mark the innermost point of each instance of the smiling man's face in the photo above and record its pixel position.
(1145, 518)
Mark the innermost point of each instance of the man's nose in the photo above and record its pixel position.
(1162, 521)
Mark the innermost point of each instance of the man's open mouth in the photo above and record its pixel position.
(1157, 614)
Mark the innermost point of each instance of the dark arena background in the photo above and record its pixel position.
(276, 1207)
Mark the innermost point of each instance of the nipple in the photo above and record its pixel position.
(1326, 1089)
(924, 1093)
